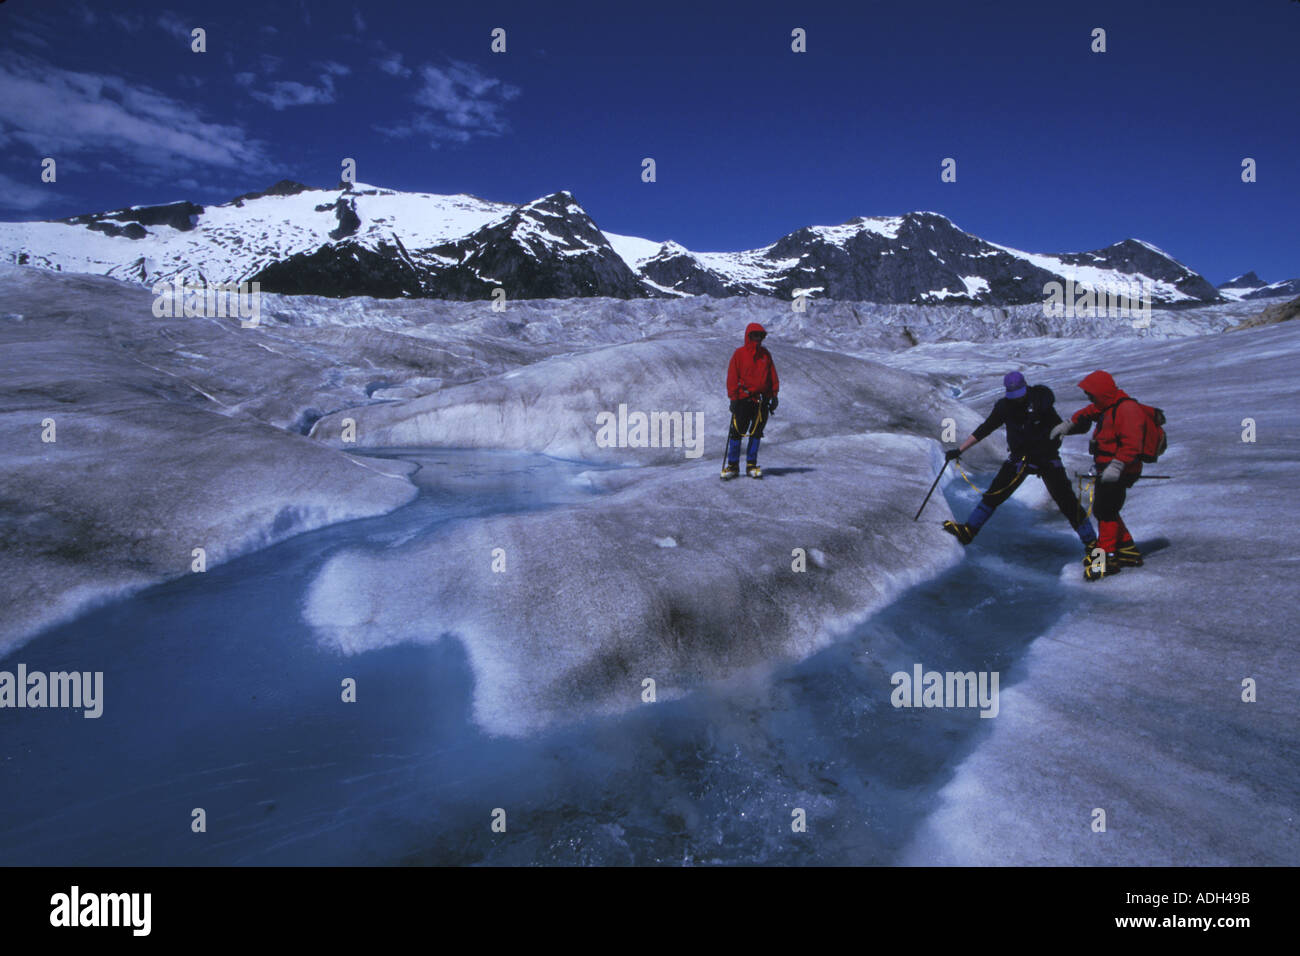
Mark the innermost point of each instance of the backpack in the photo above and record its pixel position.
(1154, 442)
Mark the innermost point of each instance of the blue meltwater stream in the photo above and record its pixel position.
(217, 696)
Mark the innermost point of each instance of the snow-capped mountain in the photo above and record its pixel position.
(358, 239)
(921, 257)
(1251, 286)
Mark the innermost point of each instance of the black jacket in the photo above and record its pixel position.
(1029, 424)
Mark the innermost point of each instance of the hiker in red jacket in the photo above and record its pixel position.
(1116, 446)
(752, 385)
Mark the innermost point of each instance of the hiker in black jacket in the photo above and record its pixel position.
(1029, 414)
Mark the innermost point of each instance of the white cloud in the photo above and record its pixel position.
(56, 111)
(423, 124)
(174, 25)
(129, 23)
(15, 194)
(30, 38)
(391, 63)
(358, 21)
(460, 103)
(463, 95)
(286, 93)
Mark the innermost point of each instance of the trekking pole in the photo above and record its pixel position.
(931, 491)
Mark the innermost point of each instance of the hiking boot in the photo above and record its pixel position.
(962, 532)
(729, 471)
(753, 470)
(1128, 555)
(1110, 566)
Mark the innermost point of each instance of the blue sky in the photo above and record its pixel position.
(1058, 148)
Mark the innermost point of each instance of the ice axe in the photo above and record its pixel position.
(931, 491)
(1149, 477)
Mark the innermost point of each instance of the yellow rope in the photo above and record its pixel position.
(1024, 463)
(757, 420)
(1092, 487)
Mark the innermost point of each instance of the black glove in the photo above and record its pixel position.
(952, 454)
(771, 406)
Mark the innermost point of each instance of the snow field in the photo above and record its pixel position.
(591, 603)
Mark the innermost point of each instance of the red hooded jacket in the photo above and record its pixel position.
(1119, 434)
(751, 371)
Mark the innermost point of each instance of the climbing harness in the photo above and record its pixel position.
(1092, 487)
(758, 420)
(1091, 479)
(1024, 463)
